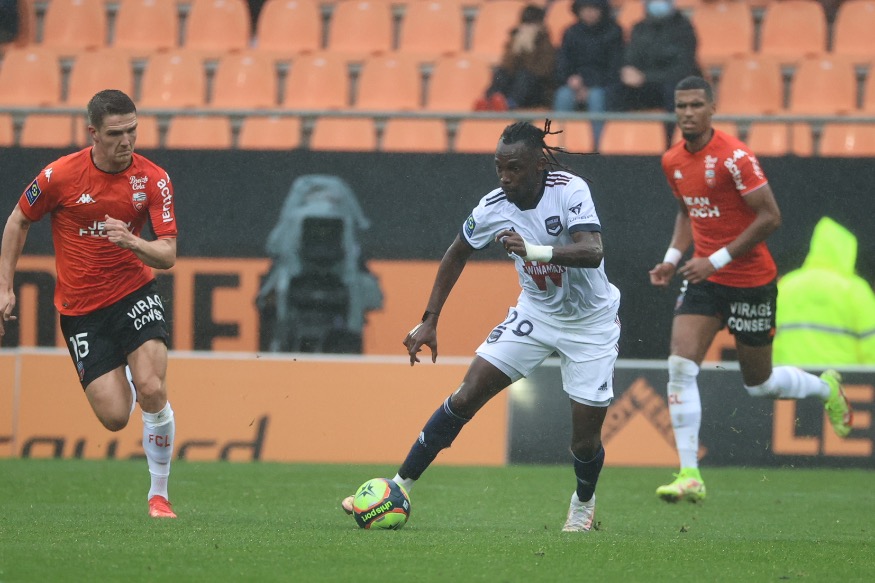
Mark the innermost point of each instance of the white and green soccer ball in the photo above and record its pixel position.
(381, 504)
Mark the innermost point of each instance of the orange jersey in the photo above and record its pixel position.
(93, 272)
(712, 183)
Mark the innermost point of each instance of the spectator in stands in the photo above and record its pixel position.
(9, 21)
(524, 78)
(826, 312)
(589, 60)
(661, 52)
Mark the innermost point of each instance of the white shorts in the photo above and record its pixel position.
(587, 352)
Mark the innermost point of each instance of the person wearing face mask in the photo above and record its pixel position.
(661, 52)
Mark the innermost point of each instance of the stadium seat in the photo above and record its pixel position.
(724, 30)
(45, 130)
(198, 133)
(173, 80)
(270, 133)
(215, 27)
(751, 85)
(148, 135)
(30, 76)
(479, 136)
(853, 31)
(576, 136)
(793, 29)
(389, 82)
(7, 130)
(495, 19)
(432, 28)
(289, 27)
(559, 18)
(318, 81)
(359, 28)
(145, 26)
(848, 140)
(74, 25)
(457, 82)
(346, 134)
(632, 138)
(825, 86)
(245, 81)
(780, 139)
(414, 135)
(95, 71)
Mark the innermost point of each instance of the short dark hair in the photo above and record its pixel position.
(695, 82)
(532, 14)
(109, 102)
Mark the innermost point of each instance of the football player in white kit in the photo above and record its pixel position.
(547, 223)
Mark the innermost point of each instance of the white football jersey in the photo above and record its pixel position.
(567, 294)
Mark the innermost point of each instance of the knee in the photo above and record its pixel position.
(586, 447)
(151, 392)
(114, 422)
(680, 367)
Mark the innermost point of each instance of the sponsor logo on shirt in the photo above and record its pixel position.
(139, 183)
(32, 193)
(85, 198)
(575, 210)
(48, 173)
(678, 175)
(710, 173)
(701, 207)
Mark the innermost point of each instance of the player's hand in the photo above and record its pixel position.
(697, 269)
(662, 273)
(7, 305)
(118, 232)
(423, 334)
(512, 242)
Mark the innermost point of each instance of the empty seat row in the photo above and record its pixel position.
(425, 135)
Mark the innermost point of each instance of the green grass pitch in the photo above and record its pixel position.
(73, 520)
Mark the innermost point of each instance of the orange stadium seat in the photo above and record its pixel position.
(825, 86)
(576, 136)
(456, 82)
(148, 135)
(94, 71)
(215, 27)
(559, 18)
(479, 136)
(173, 80)
(495, 19)
(74, 25)
(848, 140)
(793, 29)
(199, 133)
(751, 85)
(633, 138)
(390, 82)
(724, 30)
(853, 30)
(780, 139)
(288, 27)
(318, 81)
(432, 28)
(360, 27)
(144, 26)
(30, 76)
(414, 135)
(245, 81)
(7, 130)
(270, 133)
(344, 134)
(45, 130)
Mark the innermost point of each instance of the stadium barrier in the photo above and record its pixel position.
(307, 408)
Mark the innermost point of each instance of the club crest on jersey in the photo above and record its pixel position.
(469, 226)
(32, 193)
(139, 200)
(710, 174)
(553, 225)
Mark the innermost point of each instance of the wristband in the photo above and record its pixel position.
(720, 258)
(427, 314)
(539, 253)
(672, 255)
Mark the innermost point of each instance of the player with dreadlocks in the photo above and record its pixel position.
(547, 224)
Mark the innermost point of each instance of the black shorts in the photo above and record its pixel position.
(102, 340)
(748, 312)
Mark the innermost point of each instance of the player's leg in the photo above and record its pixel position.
(110, 398)
(589, 457)
(691, 336)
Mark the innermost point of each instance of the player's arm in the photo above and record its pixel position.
(14, 236)
(585, 250)
(159, 254)
(766, 221)
(452, 264)
(681, 239)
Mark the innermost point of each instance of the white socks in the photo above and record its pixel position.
(407, 483)
(789, 382)
(158, 436)
(685, 407)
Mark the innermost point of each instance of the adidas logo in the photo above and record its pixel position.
(604, 386)
(85, 199)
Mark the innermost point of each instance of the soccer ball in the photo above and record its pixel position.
(381, 503)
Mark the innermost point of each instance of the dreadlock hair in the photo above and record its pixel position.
(533, 137)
